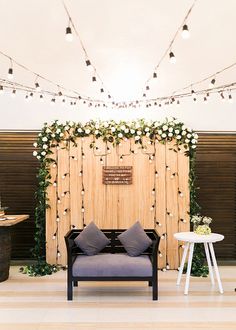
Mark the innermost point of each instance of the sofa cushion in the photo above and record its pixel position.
(91, 240)
(135, 240)
(106, 264)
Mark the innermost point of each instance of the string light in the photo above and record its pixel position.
(183, 220)
(41, 98)
(153, 191)
(89, 65)
(37, 87)
(212, 83)
(1, 89)
(159, 224)
(167, 266)
(69, 35)
(160, 254)
(101, 161)
(13, 94)
(82, 209)
(230, 99)
(172, 58)
(185, 32)
(54, 184)
(156, 174)
(180, 194)
(10, 72)
(152, 207)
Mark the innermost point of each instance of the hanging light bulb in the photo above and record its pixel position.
(94, 79)
(154, 74)
(89, 65)
(1, 89)
(31, 95)
(27, 98)
(69, 35)
(205, 100)
(10, 74)
(172, 58)
(13, 94)
(53, 101)
(185, 32)
(41, 98)
(37, 87)
(178, 103)
(230, 99)
(212, 83)
(222, 96)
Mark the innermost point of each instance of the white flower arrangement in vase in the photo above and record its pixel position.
(201, 224)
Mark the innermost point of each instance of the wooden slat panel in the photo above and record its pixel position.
(63, 187)
(160, 177)
(18, 183)
(183, 194)
(76, 188)
(112, 193)
(51, 213)
(172, 204)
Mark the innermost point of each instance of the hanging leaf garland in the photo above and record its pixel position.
(108, 131)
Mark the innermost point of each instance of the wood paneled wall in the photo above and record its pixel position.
(158, 196)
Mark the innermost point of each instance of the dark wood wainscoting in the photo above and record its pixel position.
(215, 169)
(216, 172)
(18, 183)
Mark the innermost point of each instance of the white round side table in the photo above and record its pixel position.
(191, 238)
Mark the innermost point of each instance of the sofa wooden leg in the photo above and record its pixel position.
(75, 283)
(69, 290)
(149, 283)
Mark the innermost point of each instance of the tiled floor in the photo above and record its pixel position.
(40, 303)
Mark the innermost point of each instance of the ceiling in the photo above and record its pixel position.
(124, 39)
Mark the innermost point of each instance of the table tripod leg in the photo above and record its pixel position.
(216, 267)
(190, 257)
(209, 263)
(182, 263)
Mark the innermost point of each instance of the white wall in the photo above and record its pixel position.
(19, 115)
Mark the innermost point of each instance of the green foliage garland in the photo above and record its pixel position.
(108, 131)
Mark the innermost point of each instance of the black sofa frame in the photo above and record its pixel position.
(114, 247)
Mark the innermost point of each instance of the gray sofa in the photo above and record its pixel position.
(112, 263)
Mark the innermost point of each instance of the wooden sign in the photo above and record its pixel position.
(117, 175)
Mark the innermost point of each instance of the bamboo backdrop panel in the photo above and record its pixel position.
(51, 213)
(183, 193)
(118, 206)
(172, 216)
(76, 188)
(160, 189)
(95, 191)
(64, 198)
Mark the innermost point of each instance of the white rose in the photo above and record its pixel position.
(38, 157)
(35, 153)
(43, 153)
(87, 131)
(126, 130)
(193, 141)
(184, 127)
(178, 137)
(137, 138)
(53, 135)
(147, 129)
(44, 139)
(193, 147)
(67, 127)
(132, 131)
(71, 123)
(61, 134)
(96, 131)
(120, 135)
(58, 131)
(159, 132)
(177, 131)
(189, 136)
(48, 130)
(97, 126)
(176, 121)
(186, 140)
(123, 127)
(163, 135)
(139, 132)
(170, 134)
(113, 129)
(156, 124)
(79, 130)
(40, 134)
(196, 136)
(105, 124)
(35, 144)
(165, 127)
(45, 146)
(184, 133)
(170, 118)
(147, 134)
(170, 129)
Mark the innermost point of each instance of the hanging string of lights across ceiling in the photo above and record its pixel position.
(60, 93)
